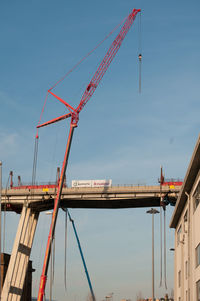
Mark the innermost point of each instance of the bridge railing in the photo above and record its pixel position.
(43, 185)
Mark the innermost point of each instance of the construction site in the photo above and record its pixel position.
(99, 180)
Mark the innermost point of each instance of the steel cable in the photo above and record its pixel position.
(65, 255)
(140, 50)
(165, 261)
(35, 161)
(88, 54)
(4, 215)
(160, 243)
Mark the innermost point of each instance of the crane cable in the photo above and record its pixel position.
(162, 209)
(54, 255)
(161, 249)
(65, 255)
(65, 248)
(161, 181)
(60, 80)
(52, 259)
(51, 271)
(52, 265)
(35, 161)
(160, 240)
(36, 145)
(165, 260)
(140, 50)
(4, 215)
(76, 65)
(88, 54)
(41, 247)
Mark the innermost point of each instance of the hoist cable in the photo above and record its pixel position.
(140, 33)
(161, 244)
(38, 261)
(140, 76)
(51, 270)
(50, 284)
(54, 255)
(53, 243)
(88, 54)
(4, 215)
(65, 255)
(75, 66)
(140, 50)
(35, 161)
(161, 238)
(165, 263)
(52, 259)
(45, 101)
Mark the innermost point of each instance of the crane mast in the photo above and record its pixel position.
(74, 114)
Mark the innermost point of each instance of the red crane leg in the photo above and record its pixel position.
(54, 217)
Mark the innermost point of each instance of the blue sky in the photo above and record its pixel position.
(122, 135)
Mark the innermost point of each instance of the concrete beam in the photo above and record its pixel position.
(110, 198)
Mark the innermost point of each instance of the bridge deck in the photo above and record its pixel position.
(110, 198)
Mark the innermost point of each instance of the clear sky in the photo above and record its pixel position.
(122, 135)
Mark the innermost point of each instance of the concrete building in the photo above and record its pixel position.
(186, 222)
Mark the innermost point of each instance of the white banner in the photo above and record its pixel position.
(91, 183)
(81, 183)
(101, 183)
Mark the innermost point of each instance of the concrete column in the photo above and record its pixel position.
(15, 276)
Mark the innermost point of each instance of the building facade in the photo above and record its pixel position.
(186, 222)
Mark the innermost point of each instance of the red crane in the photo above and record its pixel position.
(74, 114)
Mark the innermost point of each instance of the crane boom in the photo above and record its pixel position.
(107, 60)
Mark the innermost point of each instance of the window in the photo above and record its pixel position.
(197, 251)
(186, 217)
(197, 196)
(186, 269)
(197, 200)
(179, 278)
(198, 290)
(186, 222)
(179, 234)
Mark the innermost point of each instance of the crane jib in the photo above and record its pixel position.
(107, 60)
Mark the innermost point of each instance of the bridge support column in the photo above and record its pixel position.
(15, 276)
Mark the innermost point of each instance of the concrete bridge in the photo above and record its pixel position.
(103, 198)
(30, 202)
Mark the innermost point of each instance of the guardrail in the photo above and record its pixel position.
(43, 185)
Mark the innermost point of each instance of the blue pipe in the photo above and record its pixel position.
(82, 257)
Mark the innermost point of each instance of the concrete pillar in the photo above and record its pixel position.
(16, 273)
